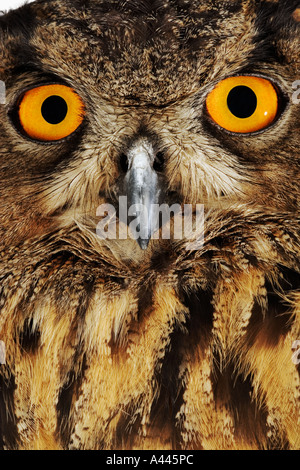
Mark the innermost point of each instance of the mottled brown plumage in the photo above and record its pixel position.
(112, 347)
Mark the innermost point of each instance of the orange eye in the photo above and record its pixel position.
(243, 104)
(50, 112)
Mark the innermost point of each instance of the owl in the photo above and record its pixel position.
(117, 334)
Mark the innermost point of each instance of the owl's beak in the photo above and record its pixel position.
(143, 190)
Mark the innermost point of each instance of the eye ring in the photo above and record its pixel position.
(244, 104)
(50, 113)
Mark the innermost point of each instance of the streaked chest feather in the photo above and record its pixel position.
(192, 352)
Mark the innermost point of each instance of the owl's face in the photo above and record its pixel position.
(182, 102)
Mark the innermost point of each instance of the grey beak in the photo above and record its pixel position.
(142, 189)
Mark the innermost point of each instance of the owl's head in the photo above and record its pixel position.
(162, 102)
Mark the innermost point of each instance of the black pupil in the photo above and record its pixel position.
(242, 101)
(54, 109)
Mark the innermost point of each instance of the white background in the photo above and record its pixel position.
(9, 4)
